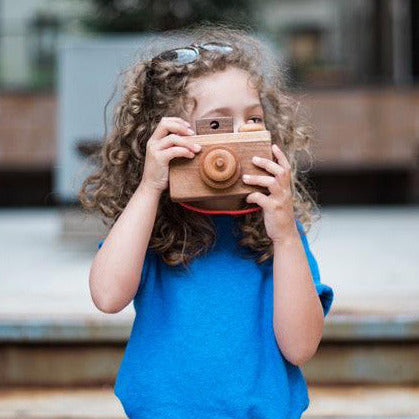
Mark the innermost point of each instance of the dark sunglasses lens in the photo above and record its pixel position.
(215, 47)
(180, 55)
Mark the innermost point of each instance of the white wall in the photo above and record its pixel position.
(88, 70)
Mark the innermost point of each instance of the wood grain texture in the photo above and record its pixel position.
(186, 183)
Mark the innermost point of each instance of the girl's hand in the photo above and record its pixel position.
(278, 206)
(163, 146)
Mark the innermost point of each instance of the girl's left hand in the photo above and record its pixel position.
(278, 207)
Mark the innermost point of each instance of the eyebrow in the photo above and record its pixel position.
(227, 109)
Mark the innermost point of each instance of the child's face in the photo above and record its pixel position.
(226, 93)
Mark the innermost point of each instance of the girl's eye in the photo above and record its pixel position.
(258, 120)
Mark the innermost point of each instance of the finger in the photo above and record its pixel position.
(173, 152)
(280, 156)
(268, 165)
(169, 127)
(258, 198)
(269, 182)
(178, 119)
(173, 139)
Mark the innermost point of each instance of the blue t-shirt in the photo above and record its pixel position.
(202, 345)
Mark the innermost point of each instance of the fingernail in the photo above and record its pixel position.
(246, 177)
(197, 147)
(191, 131)
(256, 159)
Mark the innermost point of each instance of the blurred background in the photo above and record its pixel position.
(354, 65)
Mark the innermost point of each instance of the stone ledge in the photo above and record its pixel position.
(338, 327)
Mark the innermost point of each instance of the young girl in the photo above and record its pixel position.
(227, 293)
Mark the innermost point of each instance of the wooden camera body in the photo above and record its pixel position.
(217, 169)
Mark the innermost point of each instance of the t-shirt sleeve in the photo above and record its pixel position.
(324, 291)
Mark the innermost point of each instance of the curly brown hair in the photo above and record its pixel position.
(156, 89)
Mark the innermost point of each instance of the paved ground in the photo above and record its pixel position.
(368, 255)
(379, 402)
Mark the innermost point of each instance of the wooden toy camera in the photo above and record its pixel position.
(217, 169)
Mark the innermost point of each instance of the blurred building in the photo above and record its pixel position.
(341, 43)
(354, 64)
(29, 32)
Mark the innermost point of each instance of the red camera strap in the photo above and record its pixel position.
(232, 212)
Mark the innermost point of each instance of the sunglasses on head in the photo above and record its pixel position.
(185, 55)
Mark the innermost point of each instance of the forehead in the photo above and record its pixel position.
(230, 88)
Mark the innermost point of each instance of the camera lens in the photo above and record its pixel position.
(214, 124)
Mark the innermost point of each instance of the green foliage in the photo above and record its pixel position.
(155, 15)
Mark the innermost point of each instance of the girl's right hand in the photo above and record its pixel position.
(162, 147)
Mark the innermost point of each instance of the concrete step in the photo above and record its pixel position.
(340, 402)
(80, 350)
(363, 401)
(51, 333)
(86, 403)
